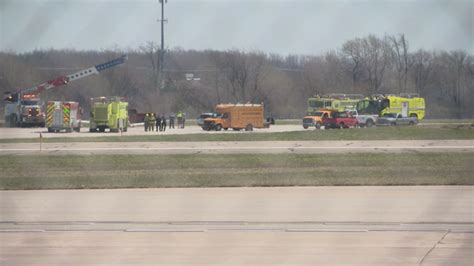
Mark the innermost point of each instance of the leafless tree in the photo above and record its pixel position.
(153, 53)
(401, 59)
(422, 69)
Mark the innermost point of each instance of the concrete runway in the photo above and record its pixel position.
(415, 225)
(11, 133)
(228, 147)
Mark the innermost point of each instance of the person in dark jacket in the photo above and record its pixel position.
(158, 123)
(172, 116)
(163, 122)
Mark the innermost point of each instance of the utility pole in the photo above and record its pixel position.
(162, 20)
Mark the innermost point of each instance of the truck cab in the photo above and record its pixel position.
(23, 110)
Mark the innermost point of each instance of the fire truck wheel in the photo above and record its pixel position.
(341, 125)
(218, 127)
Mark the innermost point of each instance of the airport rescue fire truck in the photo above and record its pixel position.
(23, 107)
(108, 112)
(63, 116)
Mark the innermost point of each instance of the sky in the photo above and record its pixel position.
(272, 26)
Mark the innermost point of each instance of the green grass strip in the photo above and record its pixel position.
(241, 170)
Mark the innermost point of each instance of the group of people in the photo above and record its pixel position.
(153, 121)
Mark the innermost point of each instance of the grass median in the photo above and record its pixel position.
(242, 170)
(378, 133)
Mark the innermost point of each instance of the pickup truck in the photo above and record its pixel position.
(392, 119)
(315, 119)
(365, 120)
(340, 120)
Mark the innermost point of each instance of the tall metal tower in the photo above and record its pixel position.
(162, 20)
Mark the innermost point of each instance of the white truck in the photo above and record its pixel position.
(365, 120)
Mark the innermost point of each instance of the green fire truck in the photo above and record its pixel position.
(108, 112)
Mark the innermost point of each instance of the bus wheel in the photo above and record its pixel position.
(218, 127)
(305, 127)
(318, 125)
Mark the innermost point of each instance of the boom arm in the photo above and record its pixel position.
(63, 80)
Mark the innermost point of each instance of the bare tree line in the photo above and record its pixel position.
(366, 65)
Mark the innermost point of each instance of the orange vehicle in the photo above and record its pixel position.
(237, 117)
(315, 119)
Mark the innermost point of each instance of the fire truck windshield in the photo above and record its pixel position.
(29, 102)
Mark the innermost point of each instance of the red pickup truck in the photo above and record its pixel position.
(340, 120)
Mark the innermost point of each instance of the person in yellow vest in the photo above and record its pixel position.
(179, 116)
(152, 122)
(146, 121)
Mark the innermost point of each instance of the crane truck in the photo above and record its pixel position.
(23, 107)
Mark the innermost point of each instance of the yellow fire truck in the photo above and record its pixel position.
(108, 112)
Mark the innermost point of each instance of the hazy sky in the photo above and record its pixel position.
(280, 26)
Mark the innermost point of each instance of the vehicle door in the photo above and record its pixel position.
(226, 120)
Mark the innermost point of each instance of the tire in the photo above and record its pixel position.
(305, 127)
(218, 127)
(369, 123)
(414, 115)
(102, 129)
(341, 125)
(226, 128)
(77, 129)
(249, 127)
(92, 129)
(318, 125)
